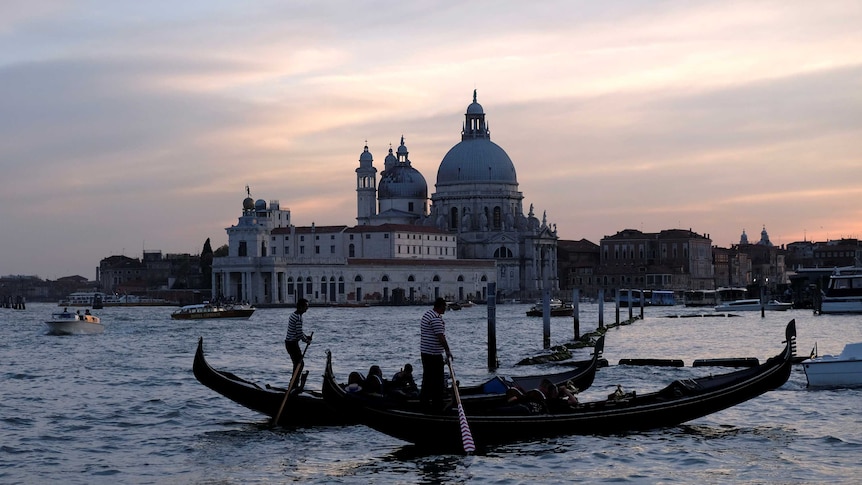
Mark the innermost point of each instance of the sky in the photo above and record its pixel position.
(132, 126)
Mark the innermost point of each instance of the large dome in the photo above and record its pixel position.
(402, 181)
(476, 160)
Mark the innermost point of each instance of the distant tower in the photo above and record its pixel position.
(744, 238)
(366, 188)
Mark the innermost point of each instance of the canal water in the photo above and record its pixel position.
(124, 406)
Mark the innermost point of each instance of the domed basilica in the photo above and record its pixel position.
(477, 198)
(402, 250)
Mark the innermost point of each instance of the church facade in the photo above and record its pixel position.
(401, 250)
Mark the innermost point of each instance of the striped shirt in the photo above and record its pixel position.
(294, 327)
(431, 326)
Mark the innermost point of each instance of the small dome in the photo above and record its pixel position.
(402, 181)
(260, 205)
(366, 155)
(248, 204)
(474, 109)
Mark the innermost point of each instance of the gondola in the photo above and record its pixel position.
(307, 407)
(679, 402)
(303, 408)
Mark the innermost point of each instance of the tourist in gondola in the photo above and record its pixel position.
(402, 382)
(295, 333)
(432, 346)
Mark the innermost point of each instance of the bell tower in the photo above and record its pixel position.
(366, 188)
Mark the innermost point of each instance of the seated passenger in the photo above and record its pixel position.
(374, 382)
(402, 382)
(354, 382)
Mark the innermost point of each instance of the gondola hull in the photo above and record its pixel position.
(678, 403)
(306, 408)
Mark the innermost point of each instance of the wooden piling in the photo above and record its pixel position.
(492, 327)
(576, 313)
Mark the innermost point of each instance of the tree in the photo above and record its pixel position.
(207, 265)
(222, 252)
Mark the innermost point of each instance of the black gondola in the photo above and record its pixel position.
(681, 401)
(303, 408)
(307, 407)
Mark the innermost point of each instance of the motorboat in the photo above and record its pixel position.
(844, 292)
(679, 402)
(843, 370)
(68, 323)
(752, 304)
(557, 308)
(213, 310)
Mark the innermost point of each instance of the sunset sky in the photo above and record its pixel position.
(127, 126)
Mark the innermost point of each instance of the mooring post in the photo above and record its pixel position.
(492, 326)
(643, 299)
(601, 308)
(617, 304)
(546, 318)
(631, 302)
(576, 313)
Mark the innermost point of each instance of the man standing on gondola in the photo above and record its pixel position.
(432, 346)
(295, 333)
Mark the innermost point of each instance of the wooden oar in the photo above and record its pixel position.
(466, 435)
(296, 374)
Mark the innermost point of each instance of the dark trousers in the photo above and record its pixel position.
(292, 347)
(433, 382)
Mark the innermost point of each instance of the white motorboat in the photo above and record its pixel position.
(68, 323)
(844, 293)
(844, 370)
(752, 304)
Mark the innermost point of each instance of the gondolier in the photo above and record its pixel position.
(295, 333)
(432, 346)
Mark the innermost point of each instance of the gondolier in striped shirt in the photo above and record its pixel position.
(295, 333)
(432, 346)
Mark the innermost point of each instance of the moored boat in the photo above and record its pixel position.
(843, 370)
(681, 401)
(213, 310)
(557, 309)
(752, 304)
(844, 292)
(68, 323)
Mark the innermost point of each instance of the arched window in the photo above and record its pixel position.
(453, 219)
(460, 277)
(411, 278)
(351, 251)
(358, 278)
(497, 220)
(503, 252)
(436, 278)
(385, 278)
(308, 285)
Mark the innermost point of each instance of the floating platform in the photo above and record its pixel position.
(731, 362)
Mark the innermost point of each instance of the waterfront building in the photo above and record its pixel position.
(272, 262)
(672, 259)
